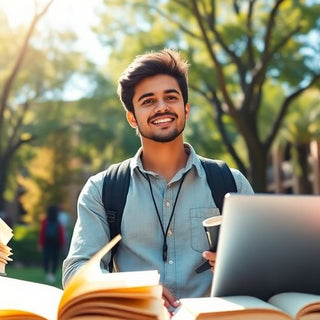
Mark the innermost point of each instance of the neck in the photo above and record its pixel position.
(165, 159)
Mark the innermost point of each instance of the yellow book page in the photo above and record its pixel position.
(22, 298)
(153, 292)
(4, 249)
(111, 283)
(19, 315)
(75, 286)
(5, 256)
(131, 308)
(113, 314)
(94, 317)
(90, 282)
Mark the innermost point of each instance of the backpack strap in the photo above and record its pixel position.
(114, 195)
(219, 178)
(116, 184)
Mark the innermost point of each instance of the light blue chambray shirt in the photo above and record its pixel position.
(142, 238)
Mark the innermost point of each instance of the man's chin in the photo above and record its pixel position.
(163, 138)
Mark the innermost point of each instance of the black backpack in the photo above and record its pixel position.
(52, 232)
(116, 184)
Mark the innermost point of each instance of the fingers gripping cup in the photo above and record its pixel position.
(211, 227)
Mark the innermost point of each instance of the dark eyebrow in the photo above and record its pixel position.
(150, 94)
(172, 91)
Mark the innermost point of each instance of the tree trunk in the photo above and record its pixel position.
(304, 184)
(3, 180)
(258, 171)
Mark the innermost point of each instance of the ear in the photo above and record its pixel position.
(187, 110)
(131, 119)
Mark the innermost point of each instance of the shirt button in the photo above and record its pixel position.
(170, 232)
(170, 261)
(167, 204)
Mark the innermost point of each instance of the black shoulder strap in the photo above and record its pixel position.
(114, 195)
(220, 179)
(116, 184)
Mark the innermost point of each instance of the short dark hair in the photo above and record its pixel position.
(166, 61)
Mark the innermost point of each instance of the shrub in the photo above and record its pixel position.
(24, 246)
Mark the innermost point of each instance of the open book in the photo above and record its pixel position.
(5, 251)
(90, 294)
(282, 306)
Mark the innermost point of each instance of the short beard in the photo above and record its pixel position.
(159, 138)
(163, 139)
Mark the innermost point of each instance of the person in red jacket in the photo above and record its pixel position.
(51, 242)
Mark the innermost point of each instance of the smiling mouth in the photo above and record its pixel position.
(162, 121)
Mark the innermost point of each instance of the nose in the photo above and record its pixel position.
(161, 106)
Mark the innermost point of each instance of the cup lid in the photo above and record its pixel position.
(212, 221)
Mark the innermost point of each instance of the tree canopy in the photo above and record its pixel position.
(237, 50)
(34, 69)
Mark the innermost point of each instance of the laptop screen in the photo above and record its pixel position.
(268, 243)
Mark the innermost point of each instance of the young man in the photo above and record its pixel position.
(168, 195)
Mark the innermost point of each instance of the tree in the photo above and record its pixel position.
(237, 49)
(36, 69)
(300, 128)
(48, 177)
(10, 144)
(99, 119)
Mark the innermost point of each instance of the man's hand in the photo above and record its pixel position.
(170, 301)
(211, 257)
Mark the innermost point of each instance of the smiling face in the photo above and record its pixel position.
(159, 111)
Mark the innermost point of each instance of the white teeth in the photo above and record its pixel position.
(162, 120)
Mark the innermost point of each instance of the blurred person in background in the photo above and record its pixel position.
(51, 242)
(65, 220)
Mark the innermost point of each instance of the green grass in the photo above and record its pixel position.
(34, 274)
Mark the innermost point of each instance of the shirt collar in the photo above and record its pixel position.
(193, 161)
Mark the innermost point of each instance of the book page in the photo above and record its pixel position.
(233, 306)
(91, 278)
(296, 303)
(90, 283)
(5, 232)
(20, 297)
(122, 308)
(5, 253)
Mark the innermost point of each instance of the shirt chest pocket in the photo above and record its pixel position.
(199, 240)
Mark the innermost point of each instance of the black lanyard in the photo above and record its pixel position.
(164, 232)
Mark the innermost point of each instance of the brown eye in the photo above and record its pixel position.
(147, 101)
(172, 98)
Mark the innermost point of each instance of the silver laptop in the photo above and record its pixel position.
(268, 243)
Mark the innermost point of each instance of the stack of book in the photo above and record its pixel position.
(5, 252)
